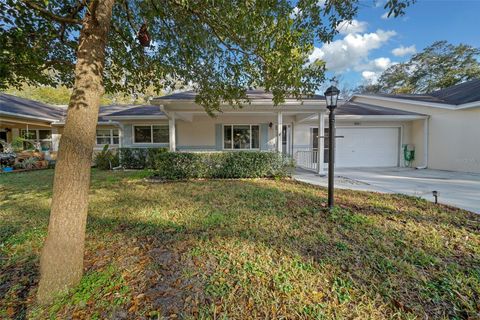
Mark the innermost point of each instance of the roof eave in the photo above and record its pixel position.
(23, 116)
(251, 102)
(382, 117)
(109, 122)
(469, 105)
(421, 103)
(140, 117)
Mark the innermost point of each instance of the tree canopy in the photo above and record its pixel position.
(438, 66)
(221, 48)
(60, 95)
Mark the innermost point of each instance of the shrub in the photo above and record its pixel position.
(29, 163)
(139, 158)
(106, 159)
(242, 164)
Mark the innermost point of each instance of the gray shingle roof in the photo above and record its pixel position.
(29, 108)
(362, 109)
(461, 93)
(455, 95)
(138, 110)
(16, 105)
(253, 94)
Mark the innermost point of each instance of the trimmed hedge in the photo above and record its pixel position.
(241, 164)
(131, 158)
(139, 158)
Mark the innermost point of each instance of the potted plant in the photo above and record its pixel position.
(7, 157)
(17, 144)
(7, 169)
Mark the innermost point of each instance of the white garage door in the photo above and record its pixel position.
(367, 147)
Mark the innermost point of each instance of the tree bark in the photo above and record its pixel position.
(61, 262)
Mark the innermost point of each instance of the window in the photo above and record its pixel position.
(241, 137)
(37, 136)
(107, 136)
(151, 134)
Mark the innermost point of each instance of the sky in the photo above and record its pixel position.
(372, 42)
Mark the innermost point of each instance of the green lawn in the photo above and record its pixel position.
(243, 249)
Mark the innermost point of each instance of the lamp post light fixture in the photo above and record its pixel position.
(331, 95)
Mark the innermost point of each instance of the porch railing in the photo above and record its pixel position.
(306, 159)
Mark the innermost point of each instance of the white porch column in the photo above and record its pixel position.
(279, 131)
(171, 132)
(321, 144)
(55, 138)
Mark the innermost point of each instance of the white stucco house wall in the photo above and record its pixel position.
(443, 128)
(453, 125)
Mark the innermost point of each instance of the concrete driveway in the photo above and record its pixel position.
(458, 189)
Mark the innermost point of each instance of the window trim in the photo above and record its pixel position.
(37, 139)
(240, 124)
(111, 138)
(37, 133)
(151, 133)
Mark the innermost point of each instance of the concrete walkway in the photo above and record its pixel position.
(458, 189)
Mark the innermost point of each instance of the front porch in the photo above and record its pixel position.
(258, 126)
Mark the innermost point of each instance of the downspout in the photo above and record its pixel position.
(425, 144)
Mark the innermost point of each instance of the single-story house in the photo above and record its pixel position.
(372, 130)
(371, 136)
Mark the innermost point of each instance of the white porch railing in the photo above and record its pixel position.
(307, 159)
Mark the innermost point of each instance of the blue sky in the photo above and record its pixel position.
(364, 48)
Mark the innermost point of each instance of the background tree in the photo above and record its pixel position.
(60, 95)
(221, 48)
(438, 66)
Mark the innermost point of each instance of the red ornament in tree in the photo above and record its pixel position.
(144, 36)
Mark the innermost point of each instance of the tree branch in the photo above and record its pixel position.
(49, 14)
(216, 32)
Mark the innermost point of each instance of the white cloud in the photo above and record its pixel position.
(374, 68)
(351, 52)
(296, 11)
(385, 16)
(353, 26)
(378, 64)
(370, 76)
(403, 51)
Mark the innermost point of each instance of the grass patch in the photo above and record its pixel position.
(243, 249)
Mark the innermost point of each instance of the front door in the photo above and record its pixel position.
(3, 138)
(286, 139)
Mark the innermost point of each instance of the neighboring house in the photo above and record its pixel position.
(370, 135)
(27, 118)
(453, 140)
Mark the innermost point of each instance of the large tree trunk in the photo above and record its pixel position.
(61, 263)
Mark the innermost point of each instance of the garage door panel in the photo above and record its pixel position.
(367, 147)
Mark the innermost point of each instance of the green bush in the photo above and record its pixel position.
(139, 158)
(106, 159)
(242, 164)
